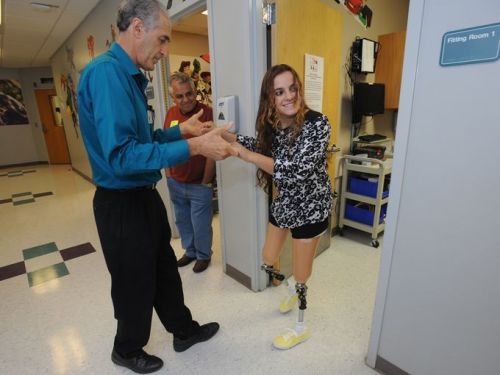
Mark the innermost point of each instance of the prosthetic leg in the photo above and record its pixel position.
(301, 333)
(272, 273)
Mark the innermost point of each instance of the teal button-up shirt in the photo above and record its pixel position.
(123, 151)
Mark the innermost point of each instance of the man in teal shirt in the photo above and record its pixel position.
(126, 157)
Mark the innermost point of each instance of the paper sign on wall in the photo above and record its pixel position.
(313, 82)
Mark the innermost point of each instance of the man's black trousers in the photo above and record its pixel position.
(135, 238)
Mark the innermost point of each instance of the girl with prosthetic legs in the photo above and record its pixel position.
(290, 152)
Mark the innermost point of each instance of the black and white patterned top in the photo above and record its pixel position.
(300, 174)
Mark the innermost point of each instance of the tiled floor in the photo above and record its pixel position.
(56, 315)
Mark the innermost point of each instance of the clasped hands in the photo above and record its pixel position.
(209, 141)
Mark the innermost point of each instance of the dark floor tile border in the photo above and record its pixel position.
(12, 270)
(239, 276)
(23, 164)
(77, 251)
(44, 194)
(2, 201)
(387, 368)
(82, 175)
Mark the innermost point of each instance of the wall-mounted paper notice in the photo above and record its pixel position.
(313, 82)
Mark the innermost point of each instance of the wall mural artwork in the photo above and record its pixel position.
(198, 70)
(70, 54)
(90, 46)
(68, 88)
(12, 109)
(113, 36)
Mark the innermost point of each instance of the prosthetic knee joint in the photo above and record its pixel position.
(273, 274)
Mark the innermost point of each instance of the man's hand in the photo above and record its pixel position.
(226, 134)
(194, 126)
(211, 145)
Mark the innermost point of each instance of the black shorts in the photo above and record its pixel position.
(304, 231)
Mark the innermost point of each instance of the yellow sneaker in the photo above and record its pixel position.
(288, 303)
(290, 338)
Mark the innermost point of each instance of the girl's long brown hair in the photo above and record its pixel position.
(268, 122)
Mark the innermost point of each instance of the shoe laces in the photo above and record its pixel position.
(289, 334)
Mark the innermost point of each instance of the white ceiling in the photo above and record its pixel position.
(29, 37)
(195, 24)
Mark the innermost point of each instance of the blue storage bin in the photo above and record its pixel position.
(362, 214)
(364, 187)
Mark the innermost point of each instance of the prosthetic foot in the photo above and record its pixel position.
(272, 273)
(293, 337)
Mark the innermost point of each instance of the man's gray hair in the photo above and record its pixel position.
(146, 10)
(182, 78)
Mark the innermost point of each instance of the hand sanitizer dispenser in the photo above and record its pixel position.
(227, 111)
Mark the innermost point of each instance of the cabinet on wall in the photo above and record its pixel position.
(389, 67)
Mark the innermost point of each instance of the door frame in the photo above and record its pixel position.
(412, 46)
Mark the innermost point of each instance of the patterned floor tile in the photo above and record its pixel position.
(22, 198)
(23, 201)
(46, 274)
(39, 250)
(20, 195)
(26, 197)
(43, 261)
(17, 173)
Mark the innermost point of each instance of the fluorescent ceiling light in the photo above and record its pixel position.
(43, 6)
(205, 12)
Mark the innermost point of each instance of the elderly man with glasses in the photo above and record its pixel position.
(190, 183)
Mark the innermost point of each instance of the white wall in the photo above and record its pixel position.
(438, 300)
(187, 44)
(25, 143)
(238, 65)
(97, 23)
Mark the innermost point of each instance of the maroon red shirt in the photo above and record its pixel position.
(192, 171)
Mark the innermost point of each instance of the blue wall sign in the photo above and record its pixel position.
(472, 45)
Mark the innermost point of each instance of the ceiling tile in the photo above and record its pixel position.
(28, 32)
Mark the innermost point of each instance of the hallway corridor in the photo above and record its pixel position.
(56, 315)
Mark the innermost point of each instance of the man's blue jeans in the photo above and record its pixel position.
(193, 217)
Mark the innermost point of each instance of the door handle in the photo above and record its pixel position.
(333, 149)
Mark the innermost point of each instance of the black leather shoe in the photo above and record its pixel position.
(184, 261)
(201, 265)
(204, 333)
(142, 363)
